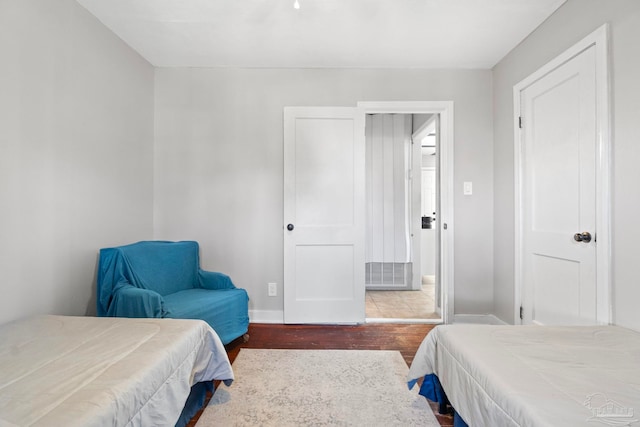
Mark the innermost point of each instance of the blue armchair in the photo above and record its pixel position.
(164, 279)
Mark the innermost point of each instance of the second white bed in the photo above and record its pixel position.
(534, 375)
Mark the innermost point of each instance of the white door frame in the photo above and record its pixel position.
(599, 39)
(445, 220)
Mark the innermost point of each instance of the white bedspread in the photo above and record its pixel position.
(87, 371)
(535, 375)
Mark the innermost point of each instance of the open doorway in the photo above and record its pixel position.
(401, 279)
(407, 262)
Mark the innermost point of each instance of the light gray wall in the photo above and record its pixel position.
(219, 164)
(76, 154)
(574, 20)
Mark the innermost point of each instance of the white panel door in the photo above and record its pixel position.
(559, 147)
(324, 216)
(429, 191)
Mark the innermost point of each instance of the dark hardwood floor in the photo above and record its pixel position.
(371, 336)
(404, 338)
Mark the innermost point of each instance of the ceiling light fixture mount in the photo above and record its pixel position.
(296, 5)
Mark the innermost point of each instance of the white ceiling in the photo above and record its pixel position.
(323, 33)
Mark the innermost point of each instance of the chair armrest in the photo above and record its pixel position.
(213, 280)
(129, 301)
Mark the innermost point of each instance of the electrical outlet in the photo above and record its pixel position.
(273, 289)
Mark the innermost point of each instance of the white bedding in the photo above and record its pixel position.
(88, 371)
(535, 375)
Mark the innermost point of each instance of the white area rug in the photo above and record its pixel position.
(318, 388)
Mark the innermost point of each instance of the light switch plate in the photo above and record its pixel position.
(468, 188)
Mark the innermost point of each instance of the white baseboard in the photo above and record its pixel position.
(480, 319)
(277, 316)
(266, 316)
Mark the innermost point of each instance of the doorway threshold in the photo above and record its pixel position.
(401, 320)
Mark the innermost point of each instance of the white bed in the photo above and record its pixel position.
(87, 371)
(535, 375)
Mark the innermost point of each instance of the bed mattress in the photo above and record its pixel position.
(535, 375)
(86, 371)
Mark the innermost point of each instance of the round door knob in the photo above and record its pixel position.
(290, 227)
(585, 236)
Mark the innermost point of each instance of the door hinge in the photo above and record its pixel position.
(521, 313)
(520, 122)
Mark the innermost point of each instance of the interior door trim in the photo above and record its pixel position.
(600, 39)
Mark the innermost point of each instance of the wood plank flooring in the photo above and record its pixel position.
(404, 338)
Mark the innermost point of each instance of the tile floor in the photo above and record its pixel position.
(402, 304)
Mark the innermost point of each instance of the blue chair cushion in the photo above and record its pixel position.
(227, 309)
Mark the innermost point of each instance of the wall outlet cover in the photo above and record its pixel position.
(272, 289)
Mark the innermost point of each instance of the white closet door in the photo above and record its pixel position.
(559, 144)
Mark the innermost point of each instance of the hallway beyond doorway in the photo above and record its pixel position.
(418, 304)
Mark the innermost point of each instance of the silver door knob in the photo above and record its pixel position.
(585, 236)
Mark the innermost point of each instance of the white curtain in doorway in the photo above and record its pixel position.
(388, 151)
